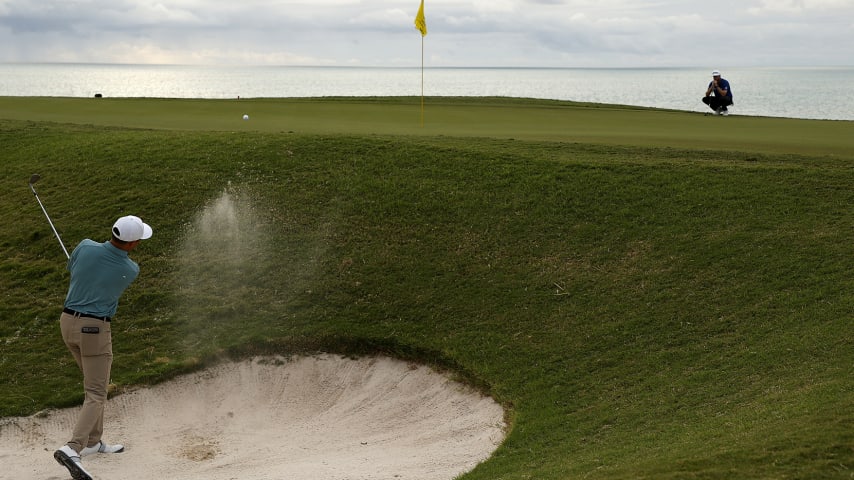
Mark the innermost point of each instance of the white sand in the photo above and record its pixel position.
(322, 417)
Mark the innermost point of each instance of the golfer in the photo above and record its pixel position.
(719, 94)
(100, 273)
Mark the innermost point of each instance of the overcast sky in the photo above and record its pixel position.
(476, 33)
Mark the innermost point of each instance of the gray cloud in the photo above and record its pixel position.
(555, 33)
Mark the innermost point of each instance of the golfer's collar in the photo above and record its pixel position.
(116, 250)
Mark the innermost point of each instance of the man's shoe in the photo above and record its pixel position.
(725, 112)
(68, 458)
(102, 447)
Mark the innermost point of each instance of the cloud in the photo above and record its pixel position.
(568, 33)
(796, 7)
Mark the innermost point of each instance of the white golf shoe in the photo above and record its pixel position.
(102, 447)
(68, 458)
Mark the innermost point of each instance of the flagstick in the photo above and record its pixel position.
(422, 81)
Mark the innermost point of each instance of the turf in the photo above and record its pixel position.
(647, 300)
(508, 118)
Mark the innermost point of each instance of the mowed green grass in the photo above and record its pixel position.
(524, 119)
(647, 300)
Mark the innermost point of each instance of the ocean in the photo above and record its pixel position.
(794, 92)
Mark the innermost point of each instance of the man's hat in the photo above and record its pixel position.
(131, 229)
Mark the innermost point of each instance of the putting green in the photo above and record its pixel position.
(522, 119)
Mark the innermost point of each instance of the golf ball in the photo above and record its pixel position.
(246, 117)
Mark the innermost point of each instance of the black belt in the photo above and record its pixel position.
(84, 315)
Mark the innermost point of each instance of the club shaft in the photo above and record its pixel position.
(50, 222)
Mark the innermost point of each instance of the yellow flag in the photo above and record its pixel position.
(420, 23)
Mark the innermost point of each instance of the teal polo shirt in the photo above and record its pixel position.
(100, 273)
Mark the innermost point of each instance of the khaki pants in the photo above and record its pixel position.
(90, 342)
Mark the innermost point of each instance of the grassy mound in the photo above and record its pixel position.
(647, 301)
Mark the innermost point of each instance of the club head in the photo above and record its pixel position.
(35, 178)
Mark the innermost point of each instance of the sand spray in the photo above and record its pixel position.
(240, 263)
(222, 266)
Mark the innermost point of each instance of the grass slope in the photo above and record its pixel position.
(510, 118)
(644, 311)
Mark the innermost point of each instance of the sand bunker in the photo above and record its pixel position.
(322, 417)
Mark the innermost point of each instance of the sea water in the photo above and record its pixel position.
(797, 92)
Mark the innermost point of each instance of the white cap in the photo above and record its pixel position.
(131, 229)
(716, 73)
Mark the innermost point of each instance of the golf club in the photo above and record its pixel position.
(33, 179)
